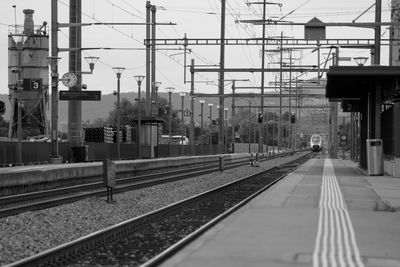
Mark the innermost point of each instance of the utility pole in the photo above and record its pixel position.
(261, 126)
(221, 80)
(148, 61)
(233, 115)
(153, 59)
(192, 98)
(280, 93)
(377, 61)
(290, 101)
(55, 157)
(377, 45)
(334, 114)
(75, 66)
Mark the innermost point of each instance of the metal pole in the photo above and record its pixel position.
(184, 58)
(54, 157)
(201, 126)
(153, 60)
(221, 78)
(152, 108)
(75, 66)
(192, 98)
(148, 61)
(377, 46)
(182, 124)
(233, 116)
(210, 105)
(169, 122)
(273, 134)
(290, 100)
(249, 141)
(335, 114)
(139, 144)
(261, 130)
(280, 95)
(343, 146)
(319, 60)
(118, 116)
(19, 117)
(226, 129)
(352, 135)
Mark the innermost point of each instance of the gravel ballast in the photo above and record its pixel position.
(29, 233)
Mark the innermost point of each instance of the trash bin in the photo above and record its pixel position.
(374, 157)
(80, 153)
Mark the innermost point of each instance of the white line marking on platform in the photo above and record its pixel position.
(335, 244)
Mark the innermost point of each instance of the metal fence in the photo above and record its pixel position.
(39, 152)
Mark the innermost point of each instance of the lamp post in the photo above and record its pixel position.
(360, 60)
(210, 105)
(169, 90)
(182, 98)
(91, 61)
(201, 126)
(118, 71)
(53, 62)
(139, 79)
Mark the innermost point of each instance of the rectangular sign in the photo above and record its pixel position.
(345, 58)
(80, 95)
(32, 84)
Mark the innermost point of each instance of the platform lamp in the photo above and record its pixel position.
(53, 62)
(91, 61)
(169, 90)
(139, 79)
(118, 71)
(19, 40)
(360, 60)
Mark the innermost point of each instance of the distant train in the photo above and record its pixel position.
(316, 142)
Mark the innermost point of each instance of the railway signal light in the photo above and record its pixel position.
(293, 118)
(260, 117)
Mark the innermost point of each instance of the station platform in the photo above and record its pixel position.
(326, 213)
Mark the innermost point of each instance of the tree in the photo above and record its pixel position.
(3, 123)
(245, 119)
(129, 114)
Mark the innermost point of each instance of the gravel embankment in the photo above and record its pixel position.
(29, 233)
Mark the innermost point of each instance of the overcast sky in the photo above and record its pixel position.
(198, 19)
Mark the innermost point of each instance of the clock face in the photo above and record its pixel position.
(69, 79)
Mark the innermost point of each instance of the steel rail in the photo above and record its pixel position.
(78, 248)
(50, 198)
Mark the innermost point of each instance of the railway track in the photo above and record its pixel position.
(151, 238)
(11, 205)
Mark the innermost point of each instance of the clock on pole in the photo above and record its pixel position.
(69, 79)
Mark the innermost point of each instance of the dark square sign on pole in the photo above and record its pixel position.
(80, 95)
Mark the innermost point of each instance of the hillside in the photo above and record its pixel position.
(91, 110)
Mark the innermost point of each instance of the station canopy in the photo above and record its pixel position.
(354, 82)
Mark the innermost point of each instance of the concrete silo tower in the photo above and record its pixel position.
(28, 79)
